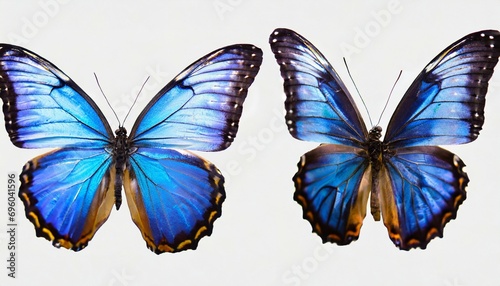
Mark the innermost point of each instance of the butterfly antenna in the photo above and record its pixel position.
(389, 97)
(357, 90)
(109, 104)
(135, 100)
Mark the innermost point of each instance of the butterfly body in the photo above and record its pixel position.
(415, 187)
(376, 153)
(174, 195)
(121, 151)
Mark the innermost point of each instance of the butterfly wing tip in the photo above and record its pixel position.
(278, 31)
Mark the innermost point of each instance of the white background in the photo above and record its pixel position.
(261, 238)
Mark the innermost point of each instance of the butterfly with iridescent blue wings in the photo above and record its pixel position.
(416, 185)
(173, 195)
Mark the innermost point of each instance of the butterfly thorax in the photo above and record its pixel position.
(375, 151)
(120, 153)
(375, 146)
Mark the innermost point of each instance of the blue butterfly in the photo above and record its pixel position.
(416, 185)
(173, 195)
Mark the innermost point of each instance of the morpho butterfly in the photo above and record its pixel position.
(416, 185)
(173, 195)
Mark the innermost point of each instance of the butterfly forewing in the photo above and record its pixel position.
(318, 106)
(203, 103)
(445, 103)
(44, 108)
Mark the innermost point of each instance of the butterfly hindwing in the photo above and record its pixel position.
(445, 103)
(421, 189)
(332, 188)
(67, 194)
(318, 106)
(44, 108)
(174, 197)
(203, 103)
